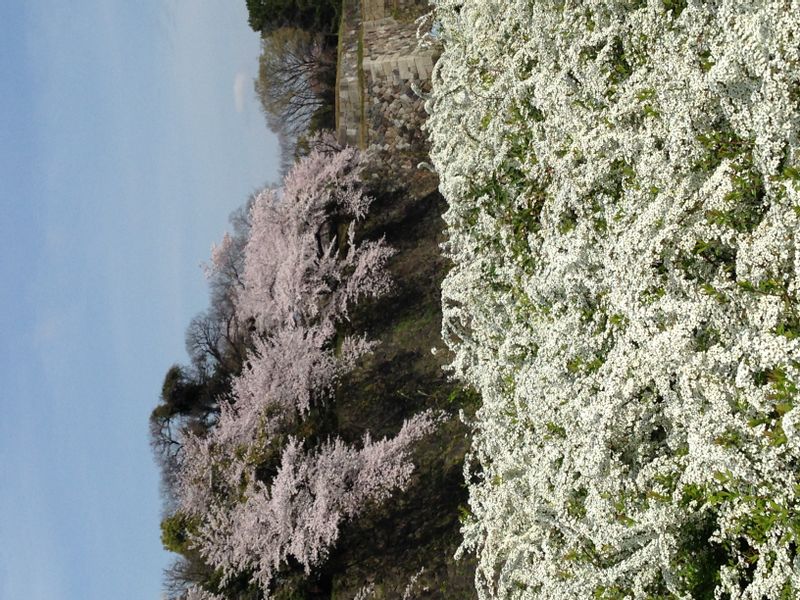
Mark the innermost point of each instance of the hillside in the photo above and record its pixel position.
(402, 547)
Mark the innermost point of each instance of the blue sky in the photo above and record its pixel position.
(128, 133)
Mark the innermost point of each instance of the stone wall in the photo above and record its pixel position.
(377, 108)
(408, 9)
(393, 66)
(373, 10)
(349, 78)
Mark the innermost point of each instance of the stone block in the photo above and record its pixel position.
(422, 67)
(408, 68)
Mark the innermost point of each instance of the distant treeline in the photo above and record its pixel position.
(297, 69)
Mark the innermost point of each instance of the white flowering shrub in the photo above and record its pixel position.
(624, 188)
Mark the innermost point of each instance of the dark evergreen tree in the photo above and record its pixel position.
(312, 15)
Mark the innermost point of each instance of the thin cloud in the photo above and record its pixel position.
(47, 330)
(239, 87)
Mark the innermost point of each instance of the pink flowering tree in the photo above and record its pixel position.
(299, 512)
(266, 484)
(197, 593)
(297, 270)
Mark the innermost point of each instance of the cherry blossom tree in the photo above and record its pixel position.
(298, 514)
(296, 269)
(264, 482)
(195, 592)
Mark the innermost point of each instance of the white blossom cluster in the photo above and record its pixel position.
(623, 179)
(197, 593)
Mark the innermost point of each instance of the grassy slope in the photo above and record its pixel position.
(418, 528)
